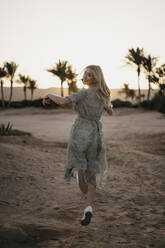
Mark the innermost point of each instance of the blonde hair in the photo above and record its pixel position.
(103, 91)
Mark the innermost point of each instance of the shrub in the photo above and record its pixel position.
(117, 103)
(147, 104)
(157, 103)
(5, 130)
(29, 103)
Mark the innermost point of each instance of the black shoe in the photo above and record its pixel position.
(86, 219)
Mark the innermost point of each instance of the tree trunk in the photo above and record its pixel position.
(25, 96)
(31, 94)
(149, 89)
(69, 88)
(2, 95)
(11, 92)
(62, 92)
(139, 91)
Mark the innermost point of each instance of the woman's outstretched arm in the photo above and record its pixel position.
(57, 99)
(109, 108)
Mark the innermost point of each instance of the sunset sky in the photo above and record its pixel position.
(37, 33)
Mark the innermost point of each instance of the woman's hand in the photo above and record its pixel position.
(46, 100)
(110, 111)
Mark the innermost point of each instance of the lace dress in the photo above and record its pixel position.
(86, 148)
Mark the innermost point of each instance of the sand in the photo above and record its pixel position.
(39, 209)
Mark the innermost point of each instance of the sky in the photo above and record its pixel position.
(37, 33)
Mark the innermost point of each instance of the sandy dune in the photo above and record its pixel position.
(39, 209)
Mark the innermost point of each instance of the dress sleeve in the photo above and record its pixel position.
(78, 96)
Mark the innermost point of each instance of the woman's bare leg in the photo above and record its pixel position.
(91, 194)
(82, 182)
(88, 212)
(85, 187)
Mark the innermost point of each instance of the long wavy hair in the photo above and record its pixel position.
(103, 91)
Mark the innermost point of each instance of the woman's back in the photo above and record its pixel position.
(88, 104)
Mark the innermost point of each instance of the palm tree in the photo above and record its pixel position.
(149, 64)
(129, 93)
(60, 70)
(32, 86)
(23, 80)
(135, 57)
(11, 70)
(72, 86)
(142, 96)
(159, 78)
(71, 80)
(161, 71)
(3, 74)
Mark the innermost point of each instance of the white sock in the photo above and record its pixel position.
(88, 209)
(77, 178)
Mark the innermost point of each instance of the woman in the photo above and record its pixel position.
(86, 158)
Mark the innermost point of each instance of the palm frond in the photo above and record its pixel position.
(60, 70)
(135, 56)
(32, 84)
(22, 79)
(10, 68)
(149, 63)
(3, 73)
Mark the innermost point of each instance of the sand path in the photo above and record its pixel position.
(38, 209)
(54, 125)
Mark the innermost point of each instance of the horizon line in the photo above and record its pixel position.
(40, 88)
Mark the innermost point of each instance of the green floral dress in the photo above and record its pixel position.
(86, 148)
